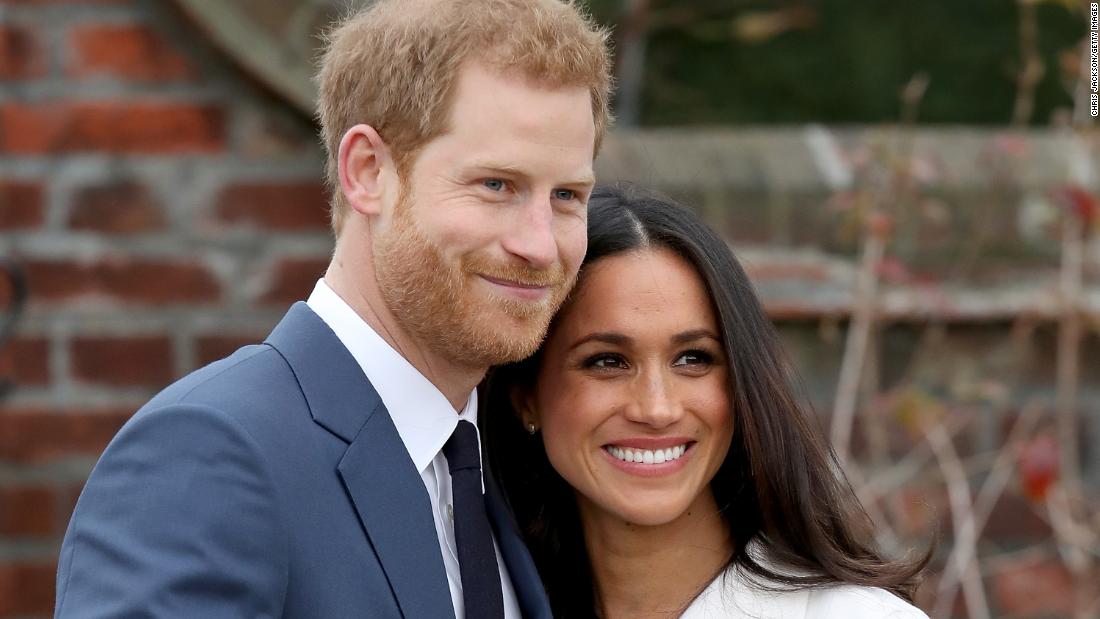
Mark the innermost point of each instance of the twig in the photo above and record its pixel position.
(874, 428)
(875, 232)
(1031, 64)
(855, 347)
(1000, 473)
(631, 70)
(962, 517)
(1068, 374)
(1076, 539)
(884, 531)
(1069, 342)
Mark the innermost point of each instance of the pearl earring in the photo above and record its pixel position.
(532, 428)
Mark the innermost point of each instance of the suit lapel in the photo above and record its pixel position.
(521, 568)
(378, 474)
(397, 515)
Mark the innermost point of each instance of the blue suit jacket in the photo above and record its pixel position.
(269, 484)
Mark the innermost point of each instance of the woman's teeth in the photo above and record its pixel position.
(646, 456)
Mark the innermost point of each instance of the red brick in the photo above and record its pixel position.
(293, 279)
(157, 282)
(27, 512)
(51, 280)
(1030, 587)
(120, 208)
(1014, 521)
(111, 126)
(6, 287)
(37, 435)
(210, 348)
(129, 51)
(262, 135)
(124, 279)
(27, 588)
(21, 205)
(21, 53)
(123, 361)
(26, 361)
(276, 206)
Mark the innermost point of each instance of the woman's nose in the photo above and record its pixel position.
(655, 403)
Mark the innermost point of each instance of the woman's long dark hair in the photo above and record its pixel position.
(780, 485)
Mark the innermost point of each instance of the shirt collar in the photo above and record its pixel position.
(423, 416)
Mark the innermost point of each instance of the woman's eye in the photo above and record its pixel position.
(693, 357)
(605, 362)
(564, 194)
(493, 184)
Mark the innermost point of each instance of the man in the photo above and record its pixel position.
(333, 471)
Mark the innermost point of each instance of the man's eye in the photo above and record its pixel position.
(564, 194)
(693, 357)
(493, 184)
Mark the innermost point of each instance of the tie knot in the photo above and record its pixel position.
(461, 449)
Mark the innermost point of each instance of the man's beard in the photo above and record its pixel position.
(438, 302)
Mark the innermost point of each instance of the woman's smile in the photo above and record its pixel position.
(649, 462)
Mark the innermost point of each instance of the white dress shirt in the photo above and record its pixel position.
(425, 420)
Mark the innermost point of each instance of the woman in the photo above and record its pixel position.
(655, 456)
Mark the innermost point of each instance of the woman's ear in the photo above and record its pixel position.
(523, 402)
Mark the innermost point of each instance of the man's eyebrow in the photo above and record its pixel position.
(587, 178)
(694, 334)
(502, 168)
(617, 339)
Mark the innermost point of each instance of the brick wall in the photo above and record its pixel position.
(166, 211)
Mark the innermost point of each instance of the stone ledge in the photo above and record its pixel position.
(811, 285)
(822, 159)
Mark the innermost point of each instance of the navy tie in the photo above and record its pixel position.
(477, 559)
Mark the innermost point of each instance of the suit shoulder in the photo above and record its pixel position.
(251, 395)
(181, 504)
(254, 379)
(247, 368)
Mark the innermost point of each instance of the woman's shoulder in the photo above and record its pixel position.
(732, 596)
(858, 602)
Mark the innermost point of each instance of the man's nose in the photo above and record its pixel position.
(655, 404)
(532, 235)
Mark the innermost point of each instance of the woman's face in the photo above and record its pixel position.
(632, 393)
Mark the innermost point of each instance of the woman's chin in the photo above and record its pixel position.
(645, 510)
(650, 519)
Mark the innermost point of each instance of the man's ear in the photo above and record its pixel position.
(365, 165)
(523, 402)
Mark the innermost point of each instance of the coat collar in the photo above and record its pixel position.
(377, 472)
(340, 397)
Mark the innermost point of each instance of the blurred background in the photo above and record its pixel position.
(913, 187)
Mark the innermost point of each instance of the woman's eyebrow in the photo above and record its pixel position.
(694, 334)
(607, 337)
